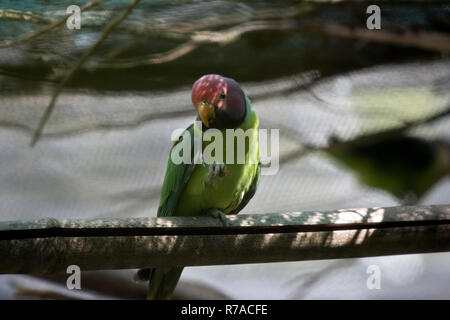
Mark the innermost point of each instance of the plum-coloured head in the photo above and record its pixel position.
(220, 101)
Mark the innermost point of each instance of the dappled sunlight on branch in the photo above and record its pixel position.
(181, 241)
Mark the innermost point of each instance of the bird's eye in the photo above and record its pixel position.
(222, 96)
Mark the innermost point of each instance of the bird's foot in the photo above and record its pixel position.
(202, 160)
(217, 214)
(217, 170)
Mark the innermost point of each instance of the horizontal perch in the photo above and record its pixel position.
(50, 245)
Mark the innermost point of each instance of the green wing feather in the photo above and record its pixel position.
(176, 178)
(252, 189)
(162, 281)
(250, 192)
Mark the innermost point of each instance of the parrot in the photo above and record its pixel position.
(216, 189)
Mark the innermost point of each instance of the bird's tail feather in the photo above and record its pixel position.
(162, 282)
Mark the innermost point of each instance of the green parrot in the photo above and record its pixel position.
(191, 189)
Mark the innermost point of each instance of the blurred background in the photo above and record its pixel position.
(363, 118)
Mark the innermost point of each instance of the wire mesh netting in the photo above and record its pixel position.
(104, 150)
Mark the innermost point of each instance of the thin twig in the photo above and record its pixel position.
(428, 40)
(37, 33)
(433, 41)
(303, 150)
(381, 135)
(22, 15)
(296, 83)
(77, 67)
(198, 38)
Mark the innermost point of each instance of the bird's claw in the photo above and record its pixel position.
(217, 214)
(217, 170)
(202, 160)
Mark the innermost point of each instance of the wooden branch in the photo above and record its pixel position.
(48, 111)
(50, 245)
